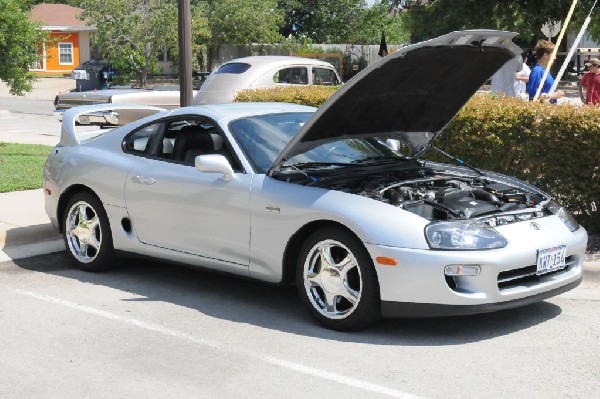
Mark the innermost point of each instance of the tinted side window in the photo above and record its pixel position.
(324, 76)
(139, 141)
(180, 141)
(233, 67)
(294, 76)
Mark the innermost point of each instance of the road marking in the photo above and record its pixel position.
(310, 371)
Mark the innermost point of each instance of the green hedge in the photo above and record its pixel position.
(305, 95)
(554, 147)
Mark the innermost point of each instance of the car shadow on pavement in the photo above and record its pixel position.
(278, 307)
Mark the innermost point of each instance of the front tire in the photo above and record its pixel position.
(337, 281)
(87, 234)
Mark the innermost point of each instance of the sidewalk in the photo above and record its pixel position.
(25, 230)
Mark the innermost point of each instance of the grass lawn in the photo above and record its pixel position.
(21, 166)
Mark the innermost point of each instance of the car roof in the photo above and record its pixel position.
(230, 111)
(273, 61)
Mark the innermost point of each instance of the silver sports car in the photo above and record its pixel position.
(336, 200)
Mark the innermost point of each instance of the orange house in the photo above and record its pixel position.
(70, 38)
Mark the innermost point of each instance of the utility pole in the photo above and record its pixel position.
(185, 53)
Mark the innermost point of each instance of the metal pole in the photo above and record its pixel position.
(553, 55)
(569, 55)
(185, 53)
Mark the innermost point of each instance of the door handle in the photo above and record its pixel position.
(143, 180)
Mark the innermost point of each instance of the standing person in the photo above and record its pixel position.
(503, 81)
(591, 82)
(543, 49)
(521, 80)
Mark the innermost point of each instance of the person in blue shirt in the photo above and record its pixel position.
(543, 50)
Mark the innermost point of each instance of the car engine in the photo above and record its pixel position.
(436, 195)
(451, 197)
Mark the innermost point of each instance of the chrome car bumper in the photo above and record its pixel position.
(104, 118)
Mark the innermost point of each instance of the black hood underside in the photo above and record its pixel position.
(409, 95)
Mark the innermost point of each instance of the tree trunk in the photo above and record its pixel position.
(143, 77)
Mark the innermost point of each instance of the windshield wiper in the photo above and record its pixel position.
(309, 165)
(378, 159)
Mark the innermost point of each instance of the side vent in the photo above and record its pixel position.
(126, 223)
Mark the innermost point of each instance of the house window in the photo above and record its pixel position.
(39, 54)
(65, 53)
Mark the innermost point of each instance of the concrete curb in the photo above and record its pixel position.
(24, 242)
(29, 250)
(24, 226)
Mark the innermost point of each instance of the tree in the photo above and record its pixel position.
(132, 33)
(333, 21)
(19, 39)
(241, 22)
(244, 21)
(380, 17)
(201, 34)
(523, 16)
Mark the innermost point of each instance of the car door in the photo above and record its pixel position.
(173, 205)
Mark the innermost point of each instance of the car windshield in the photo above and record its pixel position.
(263, 137)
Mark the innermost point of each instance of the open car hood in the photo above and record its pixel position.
(409, 95)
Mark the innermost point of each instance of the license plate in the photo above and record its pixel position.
(551, 259)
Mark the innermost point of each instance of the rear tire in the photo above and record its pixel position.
(337, 281)
(87, 233)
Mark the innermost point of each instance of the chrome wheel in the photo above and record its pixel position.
(332, 279)
(83, 232)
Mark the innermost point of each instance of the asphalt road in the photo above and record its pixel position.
(150, 329)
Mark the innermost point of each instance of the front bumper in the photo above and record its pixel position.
(418, 286)
(418, 310)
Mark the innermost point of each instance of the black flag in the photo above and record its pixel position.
(383, 51)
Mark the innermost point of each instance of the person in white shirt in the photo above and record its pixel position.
(503, 81)
(521, 79)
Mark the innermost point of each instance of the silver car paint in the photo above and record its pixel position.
(277, 210)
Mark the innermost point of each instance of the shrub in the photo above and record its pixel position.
(554, 147)
(305, 95)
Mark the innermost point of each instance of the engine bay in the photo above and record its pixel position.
(452, 197)
(440, 194)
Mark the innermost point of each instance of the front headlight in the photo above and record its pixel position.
(563, 214)
(463, 234)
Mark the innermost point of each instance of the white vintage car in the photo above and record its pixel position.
(316, 197)
(166, 97)
(222, 85)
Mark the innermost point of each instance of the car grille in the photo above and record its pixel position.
(70, 103)
(527, 275)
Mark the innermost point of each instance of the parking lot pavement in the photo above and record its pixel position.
(29, 129)
(29, 119)
(43, 88)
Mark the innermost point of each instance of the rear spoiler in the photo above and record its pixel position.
(101, 114)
